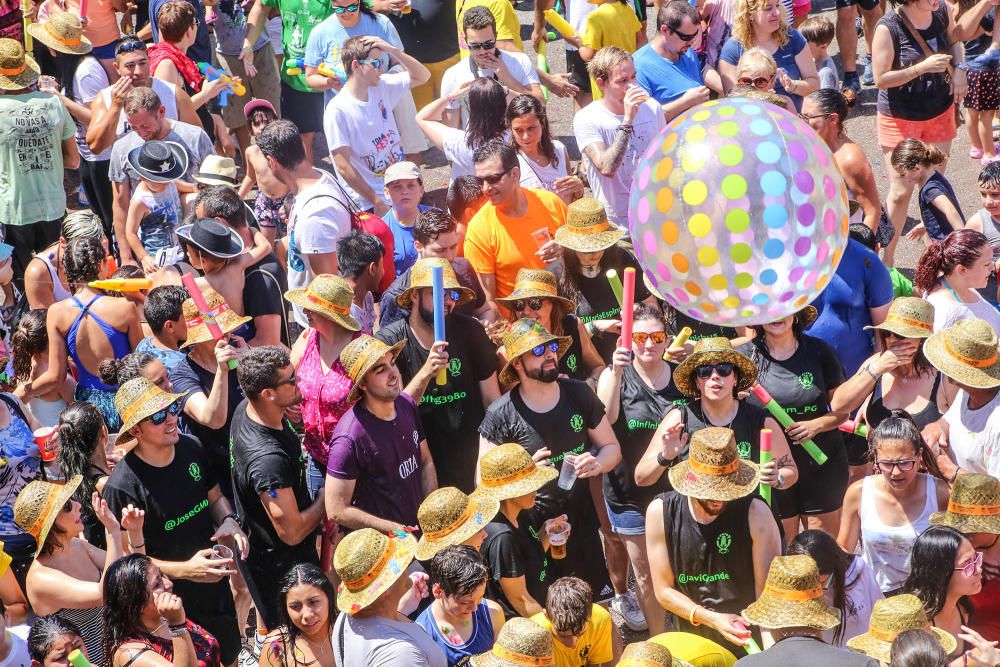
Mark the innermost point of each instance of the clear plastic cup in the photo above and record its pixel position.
(558, 533)
(567, 473)
(222, 552)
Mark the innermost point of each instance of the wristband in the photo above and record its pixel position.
(231, 515)
(691, 619)
(178, 626)
(663, 461)
(138, 546)
(178, 632)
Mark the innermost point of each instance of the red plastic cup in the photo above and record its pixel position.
(48, 445)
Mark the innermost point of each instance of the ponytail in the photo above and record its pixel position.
(960, 248)
(912, 153)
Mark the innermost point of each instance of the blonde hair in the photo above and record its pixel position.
(606, 60)
(756, 61)
(743, 23)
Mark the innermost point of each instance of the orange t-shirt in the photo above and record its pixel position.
(500, 245)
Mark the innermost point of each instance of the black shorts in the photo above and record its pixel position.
(577, 69)
(857, 449)
(303, 109)
(866, 5)
(819, 489)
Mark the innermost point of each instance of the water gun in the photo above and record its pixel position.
(206, 313)
(122, 284)
(785, 420)
(561, 25)
(296, 66)
(543, 60)
(234, 85)
(78, 659)
(855, 426)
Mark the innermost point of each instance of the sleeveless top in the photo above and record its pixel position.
(877, 411)
(746, 426)
(572, 362)
(324, 399)
(47, 412)
(58, 291)
(206, 647)
(928, 95)
(986, 608)
(481, 640)
(165, 91)
(886, 549)
(90, 622)
(712, 563)
(118, 339)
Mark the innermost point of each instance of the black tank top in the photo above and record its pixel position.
(712, 563)
(928, 95)
(746, 427)
(877, 412)
(572, 362)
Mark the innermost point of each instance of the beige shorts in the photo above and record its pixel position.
(265, 86)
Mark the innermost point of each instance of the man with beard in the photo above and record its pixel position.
(710, 542)
(380, 468)
(564, 420)
(269, 478)
(451, 411)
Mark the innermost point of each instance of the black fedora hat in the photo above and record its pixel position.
(159, 161)
(212, 237)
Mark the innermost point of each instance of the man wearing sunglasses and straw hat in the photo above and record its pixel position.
(451, 412)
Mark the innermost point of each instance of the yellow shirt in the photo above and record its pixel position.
(694, 649)
(611, 24)
(508, 27)
(592, 648)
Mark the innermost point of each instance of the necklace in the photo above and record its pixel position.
(704, 417)
(950, 289)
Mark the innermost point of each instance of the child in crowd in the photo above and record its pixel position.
(578, 626)
(982, 98)
(987, 219)
(404, 188)
(757, 68)
(819, 32)
(273, 202)
(917, 162)
(361, 262)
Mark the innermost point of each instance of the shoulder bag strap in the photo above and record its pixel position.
(919, 39)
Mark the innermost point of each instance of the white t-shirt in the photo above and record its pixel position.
(974, 435)
(537, 177)
(383, 642)
(596, 123)
(861, 592)
(948, 311)
(518, 64)
(89, 80)
(458, 153)
(18, 656)
(578, 10)
(317, 219)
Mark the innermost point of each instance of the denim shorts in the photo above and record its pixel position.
(628, 522)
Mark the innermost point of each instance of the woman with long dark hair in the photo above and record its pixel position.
(306, 607)
(917, 648)
(143, 619)
(544, 161)
(949, 275)
(30, 346)
(83, 440)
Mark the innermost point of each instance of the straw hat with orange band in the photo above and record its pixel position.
(225, 317)
(890, 616)
(649, 654)
(328, 295)
(967, 352)
(714, 469)
(62, 32)
(422, 277)
(792, 597)
(39, 503)
(448, 517)
(587, 228)
(909, 317)
(360, 356)
(521, 643)
(369, 563)
(508, 471)
(974, 505)
(17, 69)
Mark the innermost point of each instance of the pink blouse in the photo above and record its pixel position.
(324, 399)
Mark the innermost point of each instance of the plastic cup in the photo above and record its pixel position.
(558, 535)
(222, 552)
(541, 236)
(567, 473)
(48, 445)
(407, 8)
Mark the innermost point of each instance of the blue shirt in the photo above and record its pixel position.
(404, 255)
(935, 221)
(665, 81)
(861, 282)
(481, 640)
(169, 358)
(785, 57)
(326, 39)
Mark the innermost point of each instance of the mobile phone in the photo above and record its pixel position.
(6, 250)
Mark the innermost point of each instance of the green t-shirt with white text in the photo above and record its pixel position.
(298, 18)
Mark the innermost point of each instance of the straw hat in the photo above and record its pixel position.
(587, 228)
(522, 336)
(792, 597)
(360, 355)
(974, 505)
(649, 654)
(508, 471)
(521, 643)
(714, 469)
(890, 616)
(967, 353)
(328, 295)
(219, 311)
(62, 32)
(368, 563)
(448, 517)
(421, 276)
(909, 317)
(17, 69)
(537, 283)
(138, 399)
(39, 503)
(714, 350)
(217, 170)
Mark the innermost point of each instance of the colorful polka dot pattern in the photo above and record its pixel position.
(738, 213)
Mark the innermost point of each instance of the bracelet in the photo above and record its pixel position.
(177, 626)
(663, 461)
(179, 632)
(691, 619)
(868, 369)
(138, 546)
(626, 128)
(231, 515)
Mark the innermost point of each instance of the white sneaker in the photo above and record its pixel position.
(628, 608)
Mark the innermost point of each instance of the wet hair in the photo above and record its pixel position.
(431, 223)
(756, 61)
(126, 594)
(742, 25)
(899, 425)
(932, 566)
(282, 141)
(301, 574)
(605, 60)
(79, 224)
(568, 605)
(818, 30)
(119, 371)
(959, 248)
(487, 102)
(164, 303)
(79, 429)
(917, 648)
(912, 153)
(496, 148)
(989, 176)
(141, 98)
(44, 633)
(356, 251)
(458, 570)
(463, 192)
(831, 101)
(863, 234)
(82, 261)
(672, 15)
(222, 201)
(522, 105)
(258, 369)
(477, 18)
(174, 19)
(830, 559)
(129, 44)
(30, 339)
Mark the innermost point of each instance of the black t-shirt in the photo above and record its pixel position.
(677, 320)
(264, 286)
(428, 31)
(389, 310)
(571, 363)
(746, 426)
(510, 553)
(191, 377)
(641, 411)
(265, 459)
(451, 413)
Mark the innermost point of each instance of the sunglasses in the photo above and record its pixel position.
(904, 465)
(682, 36)
(808, 118)
(488, 45)
(539, 350)
(290, 380)
(534, 303)
(640, 338)
(755, 81)
(492, 179)
(969, 569)
(724, 370)
(129, 45)
(158, 418)
(453, 294)
(374, 62)
(350, 9)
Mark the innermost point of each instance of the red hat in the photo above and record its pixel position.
(258, 104)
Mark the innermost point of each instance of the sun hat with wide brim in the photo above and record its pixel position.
(508, 471)
(973, 506)
(521, 643)
(213, 238)
(524, 335)
(139, 398)
(587, 228)
(159, 161)
(649, 654)
(39, 503)
(17, 69)
(217, 170)
(540, 284)
(422, 276)
(62, 32)
(890, 616)
(368, 563)
(330, 296)
(219, 311)
(909, 317)
(714, 469)
(448, 517)
(360, 355)
(710, 351)
(792, 597)
(967, 352)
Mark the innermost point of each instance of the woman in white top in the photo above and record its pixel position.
(887, 511)
(544, 161)
(487, 102)
(949, 273)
